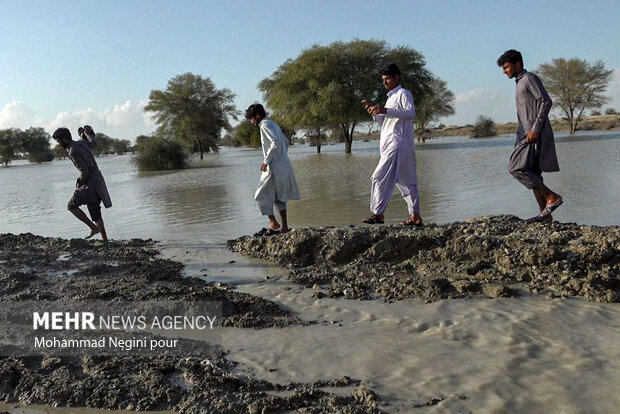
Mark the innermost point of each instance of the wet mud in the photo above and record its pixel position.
(39, 268)
(485, 257)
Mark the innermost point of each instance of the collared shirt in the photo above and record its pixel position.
(398, 121)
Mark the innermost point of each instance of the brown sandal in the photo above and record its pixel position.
(374, 219)
(410, 222)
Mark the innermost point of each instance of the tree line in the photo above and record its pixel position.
(316, 94)
(33, 144)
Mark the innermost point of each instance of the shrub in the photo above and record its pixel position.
(160, 154)
(595, 112)
(484, 127)
(610, 111)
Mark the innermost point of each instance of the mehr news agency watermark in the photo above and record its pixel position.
(105, 328)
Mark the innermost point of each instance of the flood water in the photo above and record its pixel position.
(503, 356)
(458, 178)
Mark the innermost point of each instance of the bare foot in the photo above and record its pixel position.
(284, 230)
(94, 231)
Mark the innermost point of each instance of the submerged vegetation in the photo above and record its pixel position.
(156, 153)
(484, 127)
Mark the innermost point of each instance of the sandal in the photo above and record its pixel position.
(538, 219)
(410, 222)
(550, 209)
(271, 232)
(261, 232)
(374, 219)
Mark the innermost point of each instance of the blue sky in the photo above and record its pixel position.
(65, 63)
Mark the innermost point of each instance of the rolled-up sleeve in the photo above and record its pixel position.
(92, 142)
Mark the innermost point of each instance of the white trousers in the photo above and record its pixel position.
(396, 168)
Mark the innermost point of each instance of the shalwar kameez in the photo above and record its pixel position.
(92, 188)
(397, 165)
(277, 185)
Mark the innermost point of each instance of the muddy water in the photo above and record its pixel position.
(517, 355)
(459, 178)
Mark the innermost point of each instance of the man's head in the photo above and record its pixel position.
(390, 76)
(255, 113)
(81, 132)
(63, 137)
(511, 63)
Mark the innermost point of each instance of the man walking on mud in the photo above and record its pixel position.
(90, 186)
(397, 165)
(277, 182)
(534, 150)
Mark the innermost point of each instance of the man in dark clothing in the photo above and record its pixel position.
(90, 186)
(534, 150)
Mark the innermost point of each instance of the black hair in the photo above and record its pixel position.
(391, 70)
(255, 109)
(510, 56)
(62, 133)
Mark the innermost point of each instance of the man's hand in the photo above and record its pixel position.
(376, 110)
(366, 104)
(532, 136)
(263, 167)
(88, 130)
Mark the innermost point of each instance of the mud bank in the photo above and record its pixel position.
(493, 256)
(39, 268)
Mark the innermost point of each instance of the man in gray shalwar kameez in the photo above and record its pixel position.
(534, 150)
(90, 186)
(277, 182)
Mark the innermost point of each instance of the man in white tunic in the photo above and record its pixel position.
(397, 165)
(277, 182)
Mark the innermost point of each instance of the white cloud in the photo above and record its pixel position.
(468, 95)
(124, 121)
(16, 115)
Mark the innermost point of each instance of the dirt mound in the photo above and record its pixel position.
(493, 256)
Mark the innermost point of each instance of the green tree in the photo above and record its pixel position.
(595, 112)
(11, 142)
(121, 146)
(246, 134)
(59, 152)
(575, 85)
(610, 111)
(104, 144)
(157, 153)
(484, 127)
(436, 104)
(316, 137)
(324, 85)
(193, 110)
(36, 143)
